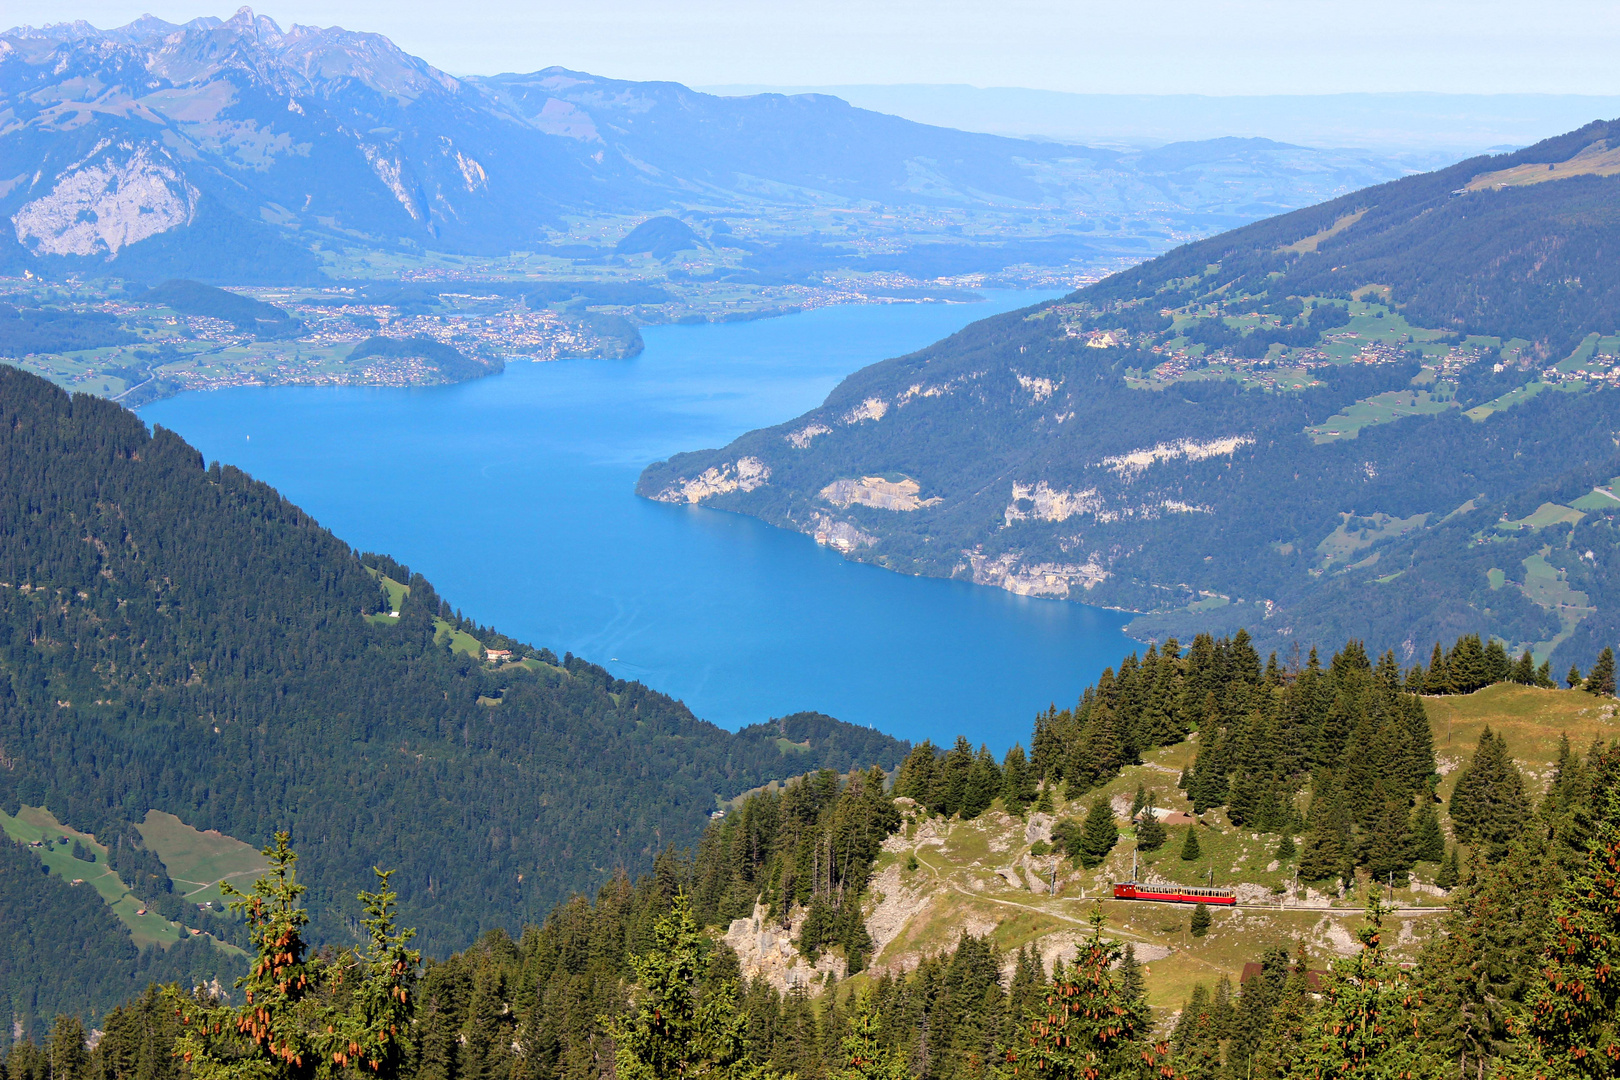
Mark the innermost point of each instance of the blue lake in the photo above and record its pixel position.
(513, 495)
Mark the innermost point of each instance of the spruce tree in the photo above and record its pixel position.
(1084, 1026)
(1449, 871)
(1437, 680)
(1200, 920)
(1601, 679)
(1574, 1022)
(982, 786)
(918, 773)
(1043, 801)
(1475, 974)
(65, 1051)
(1150, 831)
(950, 784)
(285, 1030)
(1189, 846)
(1286, 849)
(1098, 836)
(1365, 1027)
(865, 1053)
(673, 1030)
(1428, 842)
(1017, 782)
(1489, 806)
(1573, 679)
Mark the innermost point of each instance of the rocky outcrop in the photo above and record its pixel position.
(801, 439)
(880, 494)
(766, 950)
(839, 535)
(120, 194)
(744, 474)
(1008, 571)
(1129, 466)
(1044, 503)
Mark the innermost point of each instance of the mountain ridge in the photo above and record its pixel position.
(1209, 436)
(314, 140)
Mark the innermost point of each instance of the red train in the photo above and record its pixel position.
(1173, 894)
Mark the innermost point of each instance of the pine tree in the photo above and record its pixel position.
(1489, 806)
(1573, 679)
(1428, 842)
(1574, 1022)
(1085, 1027)
(1601, 680)
(671, 1030)
(1098, 836)
(1200, 920)
(1189, 846)
(1449, 871)
(1366, 1025)
(866, 1053)
(1286, 849)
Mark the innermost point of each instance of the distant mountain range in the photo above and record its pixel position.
(234, 151)
(1432, 128)
(1391, 416)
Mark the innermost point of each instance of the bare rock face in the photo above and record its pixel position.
(1039, 827)
(745, 474)
(767, 951)
(120, 194)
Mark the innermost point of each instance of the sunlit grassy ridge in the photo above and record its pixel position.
(937, 878)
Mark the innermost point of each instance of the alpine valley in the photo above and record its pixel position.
(239, 153)
(278, 810)
(1389, 417)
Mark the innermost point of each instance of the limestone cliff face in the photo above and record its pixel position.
(745, 474)
(901, 495)
(1009, 571)
(119, 194)
(765, 950)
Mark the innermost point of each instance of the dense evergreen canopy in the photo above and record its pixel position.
(179, 637)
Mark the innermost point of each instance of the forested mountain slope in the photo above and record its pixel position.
(1389, 416)
(181, 638)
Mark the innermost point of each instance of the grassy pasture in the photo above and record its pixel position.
(1528, 718)
(1606, 497)
(37, 823)
(1545, 515)
(1341, 545)
(198, 861)
(1382, 408)
(1513, 397)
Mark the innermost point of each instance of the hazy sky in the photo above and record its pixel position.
(1126, 46)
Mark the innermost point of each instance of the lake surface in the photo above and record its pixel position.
(514, 496)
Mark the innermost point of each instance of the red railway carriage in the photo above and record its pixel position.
(1173, 894)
